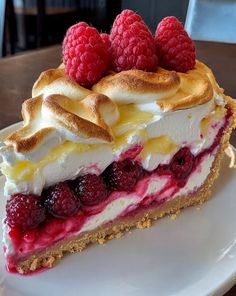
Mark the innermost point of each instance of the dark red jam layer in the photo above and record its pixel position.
(54, 229)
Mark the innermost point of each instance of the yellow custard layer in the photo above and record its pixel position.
(160, 145)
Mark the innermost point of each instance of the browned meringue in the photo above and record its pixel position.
(62, 108)
(136, 86)
(61, 105)
(171, 90)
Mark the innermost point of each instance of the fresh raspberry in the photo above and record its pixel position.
(24, 211)
(106, 39)
(182, 163)
(123, 175)
(90, 189)
(176, 50)
(85, 55)
(107, 43)
(60, 201)
(132, 43)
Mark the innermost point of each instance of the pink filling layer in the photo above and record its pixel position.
(55, 229)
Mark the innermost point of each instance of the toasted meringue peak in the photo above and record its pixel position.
(136, 86)
(85, 118)
(169, 89)
(206, 70)
(62, 110)
(195, 89)
(29, 136)
(55, 81)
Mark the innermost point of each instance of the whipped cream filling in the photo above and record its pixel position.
(112, 210)
(182, 127)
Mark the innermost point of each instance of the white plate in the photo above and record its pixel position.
(193, 255)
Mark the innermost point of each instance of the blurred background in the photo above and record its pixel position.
(29, 24)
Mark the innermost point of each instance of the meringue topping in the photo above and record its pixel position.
(65, 111)
(61, 110)
(54, 81)
(136, 86)
(170, 90)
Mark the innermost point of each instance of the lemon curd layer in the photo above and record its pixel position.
(159, 145)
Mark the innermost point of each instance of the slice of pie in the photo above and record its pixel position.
(89, 164)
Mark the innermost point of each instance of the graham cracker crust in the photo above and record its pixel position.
(50, 256)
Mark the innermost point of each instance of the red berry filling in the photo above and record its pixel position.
(63, 200)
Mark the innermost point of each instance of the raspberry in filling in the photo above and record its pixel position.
(90, 189)
(60, 201)
(123, 175)
(24, 211)
(182, 163)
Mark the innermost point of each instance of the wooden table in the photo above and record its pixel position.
(18, 73)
